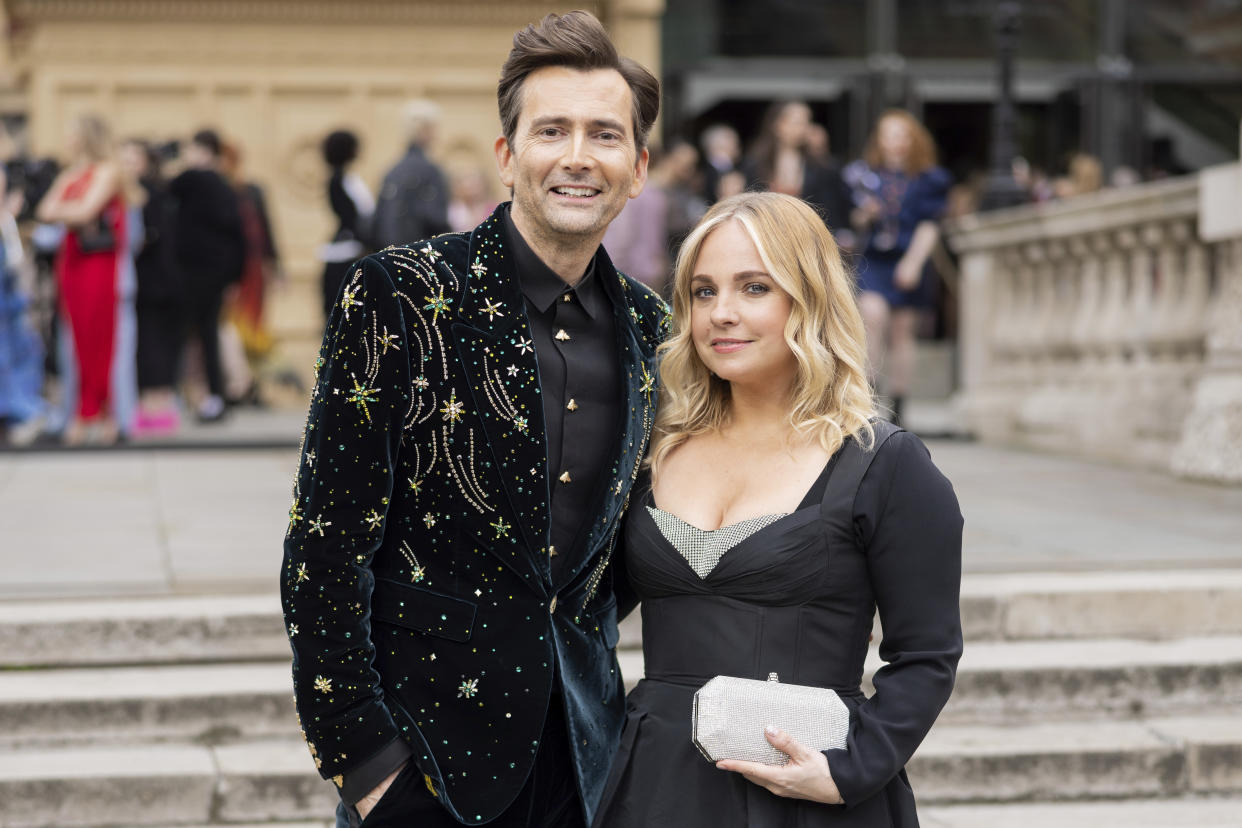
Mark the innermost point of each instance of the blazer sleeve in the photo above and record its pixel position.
(910, 526)
(337, 522)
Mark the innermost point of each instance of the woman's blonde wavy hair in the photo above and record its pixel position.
(831, 398)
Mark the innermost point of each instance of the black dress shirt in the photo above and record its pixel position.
(575, 336)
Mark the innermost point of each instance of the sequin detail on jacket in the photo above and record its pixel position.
(416, 583)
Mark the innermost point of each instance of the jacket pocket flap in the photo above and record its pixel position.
(417, 608)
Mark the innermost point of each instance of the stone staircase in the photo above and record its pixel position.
(1084, 699)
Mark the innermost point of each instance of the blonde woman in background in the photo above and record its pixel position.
(87, 197)
(777, 516)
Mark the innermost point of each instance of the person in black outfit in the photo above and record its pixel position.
(160, 301)
(414, 196)
(209, 248)
(482, 405)
(778, 515)
(353, 206)
(780, 161)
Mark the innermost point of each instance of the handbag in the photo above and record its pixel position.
(97, 236)
(730, 715)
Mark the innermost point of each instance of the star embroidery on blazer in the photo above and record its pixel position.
(453, 409)
(468, 688)
(492, 309)
(521, 424)
(513, 370)
(293, 630)
(416, 486)
(362, 396)
(502, 528)
(648, 383)
(429, 519)
(429, 251)
(525, 346)
(437, 304)
(388, 341)
(478, 268)
(373, 519)
(323, 685)
(295, 514)
(349, 300)
(421, 383)
(310, 457)
(303, 575)
(318, 525)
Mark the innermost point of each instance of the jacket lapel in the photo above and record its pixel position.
(498, 356)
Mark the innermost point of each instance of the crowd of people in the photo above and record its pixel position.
(160, 257)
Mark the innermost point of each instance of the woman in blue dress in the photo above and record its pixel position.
(899, 197)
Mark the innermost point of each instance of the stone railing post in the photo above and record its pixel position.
(1211, 435)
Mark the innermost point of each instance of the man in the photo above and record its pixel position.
(482, 405)
(414, 197)
(209, 250)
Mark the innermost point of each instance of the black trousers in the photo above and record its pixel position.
(203, 315)
(548, 800)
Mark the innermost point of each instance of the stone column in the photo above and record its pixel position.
(1211, 444)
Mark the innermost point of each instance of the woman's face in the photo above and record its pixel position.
(895, 143)
(791, 126)
(133, 160)
(74, 145)
(738, 313)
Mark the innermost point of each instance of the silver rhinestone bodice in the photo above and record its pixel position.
(703, 548)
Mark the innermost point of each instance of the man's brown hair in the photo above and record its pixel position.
(575, 40)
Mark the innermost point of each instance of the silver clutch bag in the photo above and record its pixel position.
(730, 715)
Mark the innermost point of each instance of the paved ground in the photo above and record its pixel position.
(206, 513)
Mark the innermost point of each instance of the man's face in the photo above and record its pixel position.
(573, 162)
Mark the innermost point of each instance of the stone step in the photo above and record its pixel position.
(205, 628)
(997, 683)
(187, 628)
(1189, 812)
(162, 785)
(1005, 682)
(274, 780)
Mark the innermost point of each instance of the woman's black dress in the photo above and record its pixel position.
(794, 594)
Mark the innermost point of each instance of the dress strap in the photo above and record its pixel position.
(852, 464)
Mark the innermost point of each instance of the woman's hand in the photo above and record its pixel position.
(908, 273)
(805, 777)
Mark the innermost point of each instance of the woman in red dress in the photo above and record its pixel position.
(87, 198)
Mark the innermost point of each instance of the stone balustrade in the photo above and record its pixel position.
(1105, 326)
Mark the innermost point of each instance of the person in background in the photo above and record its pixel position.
(87, 198)
(471, 201)
(21, 350)
(353, 206)
(160, 301)
(413, 199)
(900, 196)
(781, 162)
(1085, 175)
(637, 236)
(722, 153)
(260, 269)
(209, 248)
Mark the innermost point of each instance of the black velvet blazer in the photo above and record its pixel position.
(416, 584)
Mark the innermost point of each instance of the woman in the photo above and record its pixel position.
(353, 205)
(767, 561)
(900, 195)
(86, 198)
(781, 161)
